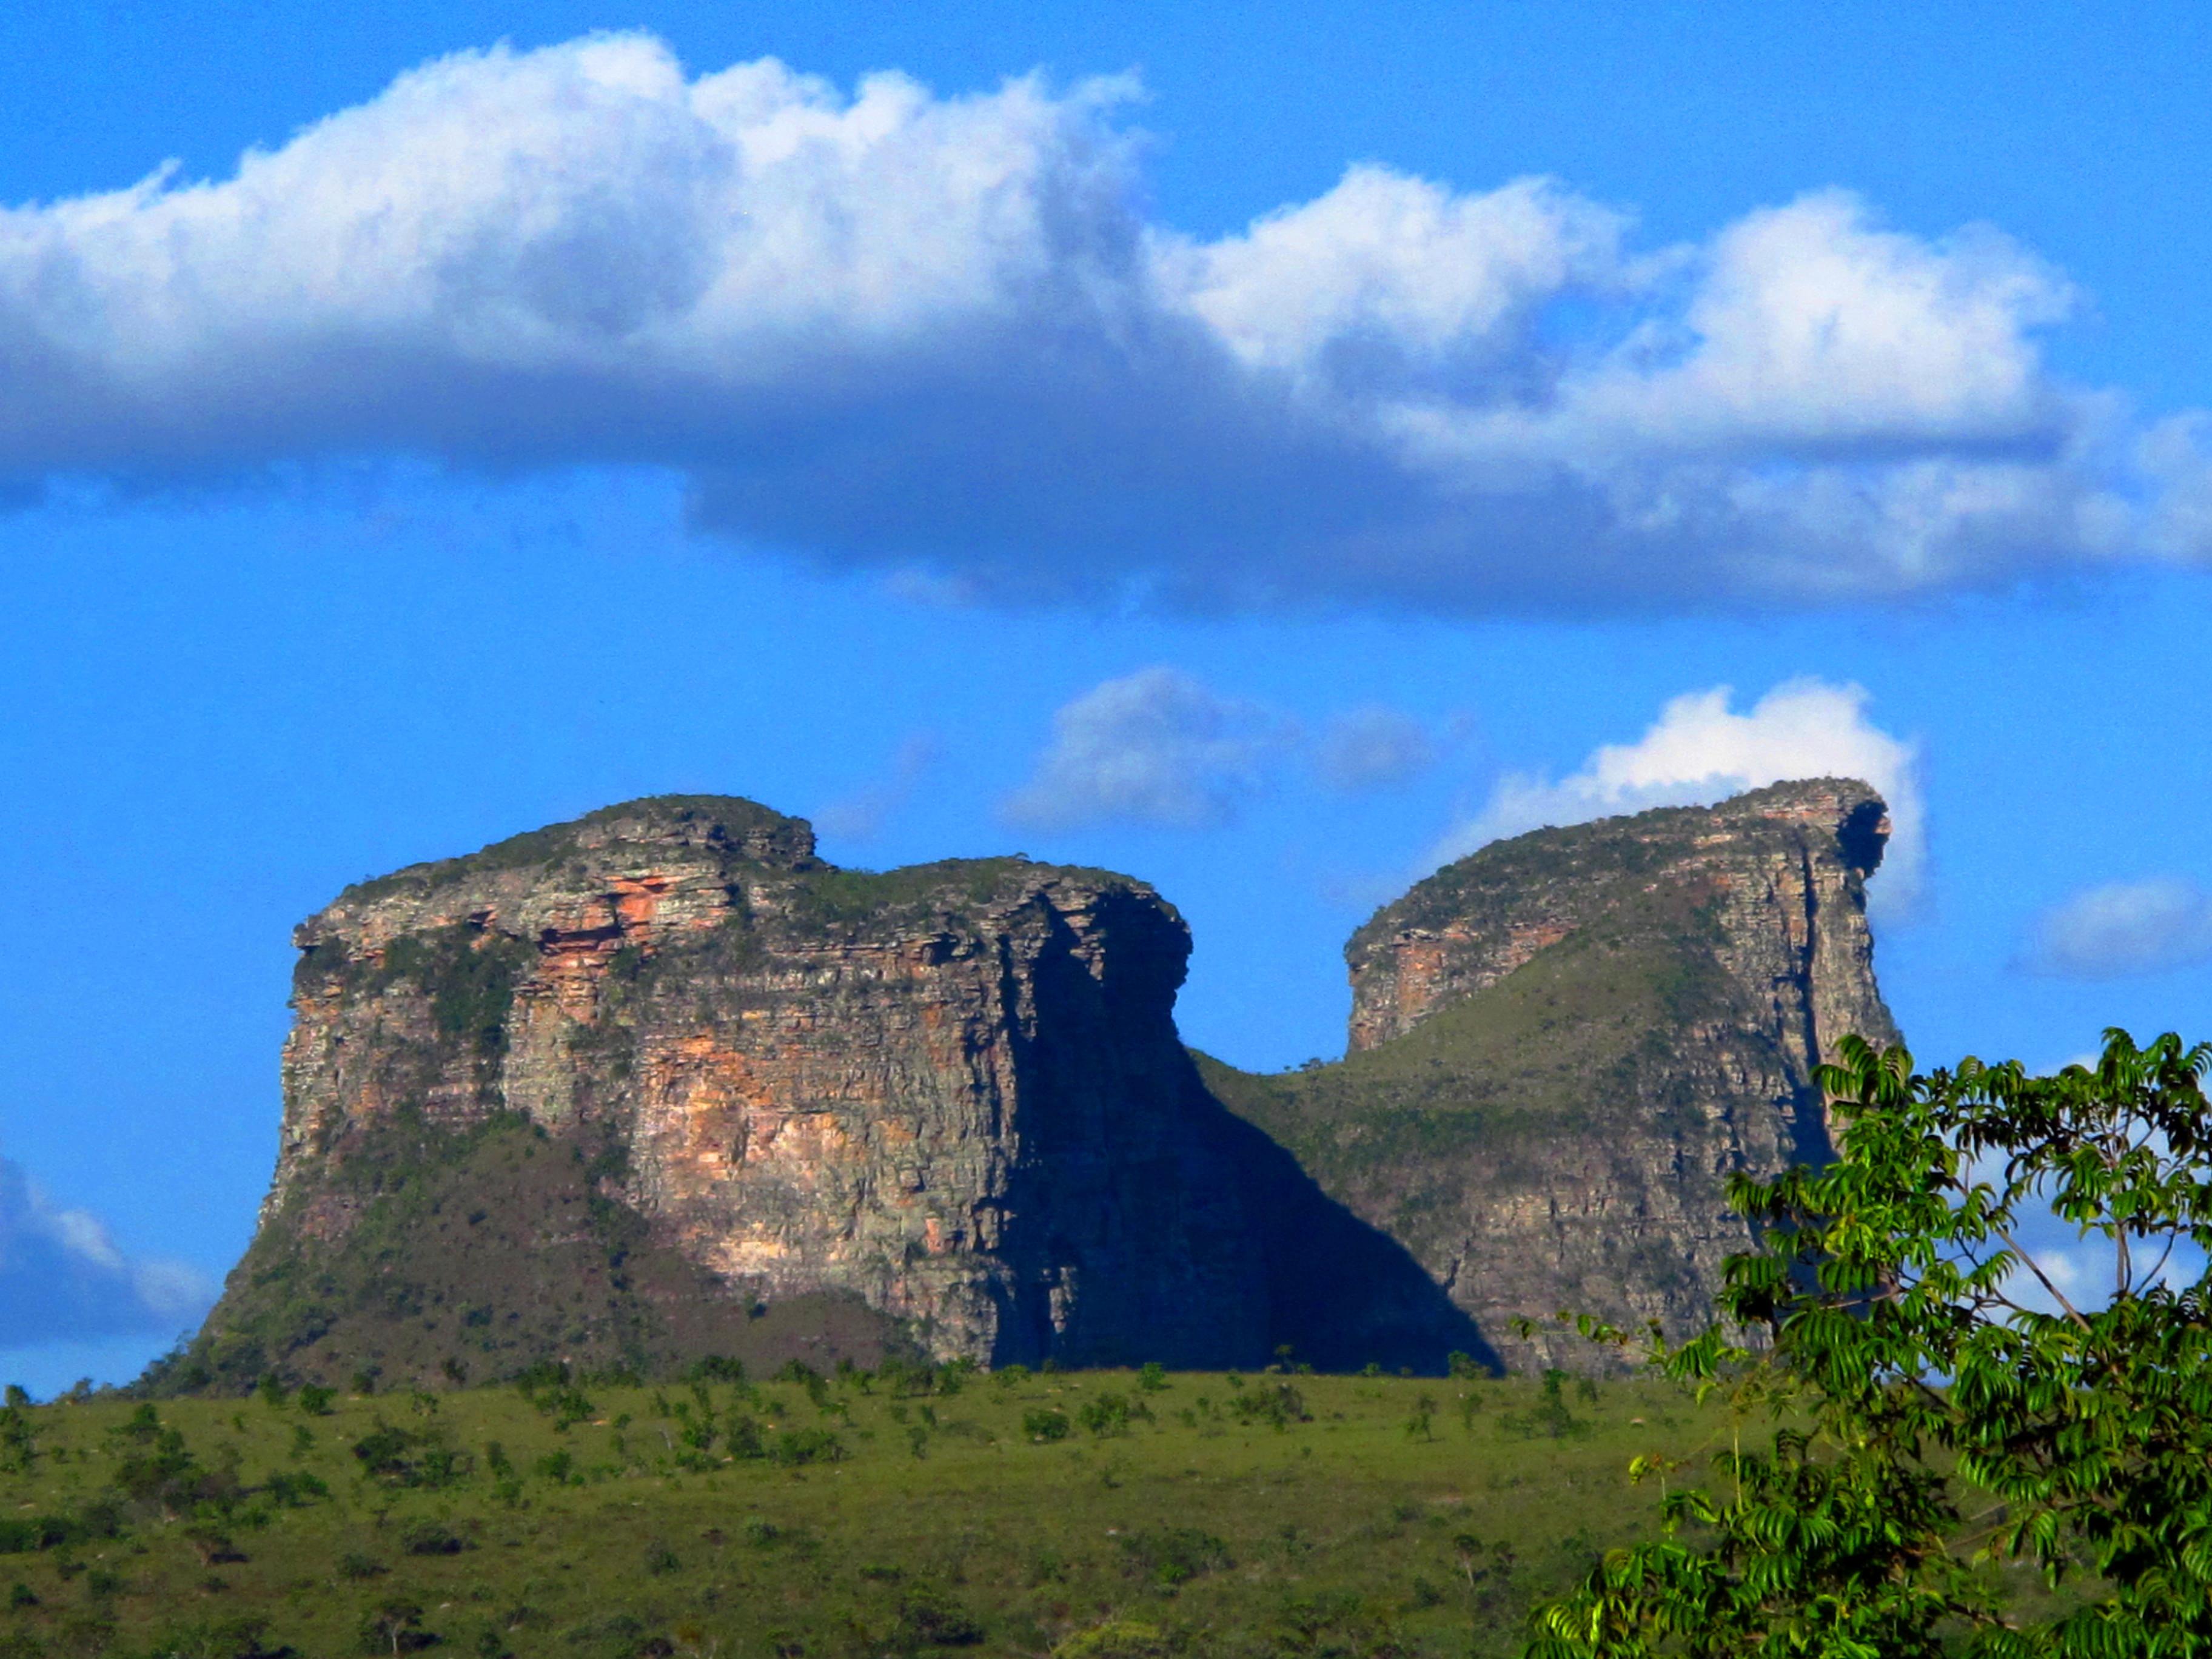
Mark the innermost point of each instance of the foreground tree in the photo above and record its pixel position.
(1948, 1402)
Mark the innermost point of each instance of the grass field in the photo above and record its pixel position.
(1098, 1514)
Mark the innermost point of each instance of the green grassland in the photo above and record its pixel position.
(1094, 1515)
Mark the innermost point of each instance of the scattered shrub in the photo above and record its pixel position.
(295, 1490)
(1119, 1639)
(1049, 1423)
(1549, 1418)
(1278, 1405)
(930, 1617)
(806, 1446)
(1109, 1414)
(395, 1626)
(1171, 1556)
(426, 1537)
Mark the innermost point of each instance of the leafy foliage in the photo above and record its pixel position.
(1939, 1416)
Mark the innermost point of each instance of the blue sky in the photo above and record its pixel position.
(1267, 469)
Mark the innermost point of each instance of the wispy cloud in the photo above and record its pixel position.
(1157, 748)
(940, 336)
(2122, 928)
(63, 1279)
(1701, 750)
(861, 815)
(1373, 747)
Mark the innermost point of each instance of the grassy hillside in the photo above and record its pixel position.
(1096, 1514)
(1484, 1091)
(471, 1253)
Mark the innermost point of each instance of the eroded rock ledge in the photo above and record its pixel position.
(952, 1093)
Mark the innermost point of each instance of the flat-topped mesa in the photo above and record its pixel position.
(1564, 1046)
(953, 1092)
(1788, 864)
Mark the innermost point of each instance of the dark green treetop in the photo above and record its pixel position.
(1947, 1401)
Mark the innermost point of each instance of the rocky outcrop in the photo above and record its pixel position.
(951, 1094)
(1786, 866)
(1562, 1046)
(659, 1084)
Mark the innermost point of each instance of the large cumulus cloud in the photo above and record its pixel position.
(942, 335)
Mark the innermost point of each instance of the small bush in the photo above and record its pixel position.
(1109, 1414)
(19, 1446)
(807, 1446)
(1170, 1556)
(1048, 1424)
(1278, 1405)
(295, 1490)
(395, 1626)
(242, 1638)
(430, 1538)
(1549, 1419)
(929, 1617)
(1120, 1638)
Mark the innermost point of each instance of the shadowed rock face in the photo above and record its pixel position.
(952, 1094)
(1562, 1046)
(660, 1082)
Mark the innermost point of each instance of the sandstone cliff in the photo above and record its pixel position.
(949, 1098)
(659, 1084)
(1561, 1045)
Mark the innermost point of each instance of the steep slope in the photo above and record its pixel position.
(1561, 1045)
(606, 1090)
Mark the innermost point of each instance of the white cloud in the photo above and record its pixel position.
(63, 1279)
(1700, 750)
(1373, 747)
(1156, 748)
(2123, 928)
(940, 336)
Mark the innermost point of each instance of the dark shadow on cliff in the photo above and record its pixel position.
(1341, 1294)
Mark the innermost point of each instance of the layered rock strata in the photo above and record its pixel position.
(660, 1083)
(1561, 1047)
(952, 1095)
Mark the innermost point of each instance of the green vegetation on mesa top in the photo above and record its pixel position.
(1504, 1074)
(831, 896)
(556, 843)
(840, 895)
(1483, 889)
(912, 1510)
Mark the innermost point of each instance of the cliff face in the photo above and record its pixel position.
(660, 1082)
(1784, 868)
(949, 1097)
(1561, 1047)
